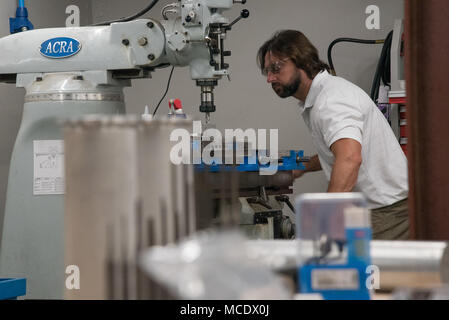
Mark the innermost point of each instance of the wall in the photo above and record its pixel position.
(43, 14)
(248, 101)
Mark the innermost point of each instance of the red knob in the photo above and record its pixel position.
(177, 104)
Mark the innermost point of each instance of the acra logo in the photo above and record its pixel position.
(58, 48)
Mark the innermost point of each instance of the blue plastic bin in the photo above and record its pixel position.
(10, 289)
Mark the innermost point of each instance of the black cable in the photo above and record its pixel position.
(383, 68)
(130, 18)
(386, 74)
(166, 91)
(354, 40)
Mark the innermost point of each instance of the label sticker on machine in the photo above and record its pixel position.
(335, 279)
(58, 48)
(48, 167)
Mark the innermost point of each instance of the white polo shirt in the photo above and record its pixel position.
(335, 109)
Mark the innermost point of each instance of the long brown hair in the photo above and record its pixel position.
(294, 45)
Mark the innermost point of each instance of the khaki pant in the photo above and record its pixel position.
(391, 222)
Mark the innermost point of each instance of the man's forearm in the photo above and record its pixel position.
(344, 175)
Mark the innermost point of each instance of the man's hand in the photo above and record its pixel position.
(348, 158)
(312, 165)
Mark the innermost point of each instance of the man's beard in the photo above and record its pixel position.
(285, 91)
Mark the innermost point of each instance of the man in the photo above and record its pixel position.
(356, 147)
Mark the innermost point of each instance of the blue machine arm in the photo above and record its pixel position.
(20, 22)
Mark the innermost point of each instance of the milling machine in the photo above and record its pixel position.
(239, 194)
(77, 71)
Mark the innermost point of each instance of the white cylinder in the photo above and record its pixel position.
(167, 189)
(167, 208)
(101, 197)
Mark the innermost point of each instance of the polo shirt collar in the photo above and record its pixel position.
(313, 91)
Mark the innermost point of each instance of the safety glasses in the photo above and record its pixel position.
(274, 67)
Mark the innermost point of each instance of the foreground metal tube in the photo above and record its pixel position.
(167, 208)
(401, 263)
(100, 219)
(166, 189)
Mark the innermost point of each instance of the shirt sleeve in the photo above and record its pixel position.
(340, 118)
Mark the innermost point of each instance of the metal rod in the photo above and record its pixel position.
(401, 263)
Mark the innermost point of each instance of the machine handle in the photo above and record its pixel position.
(243, 15)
